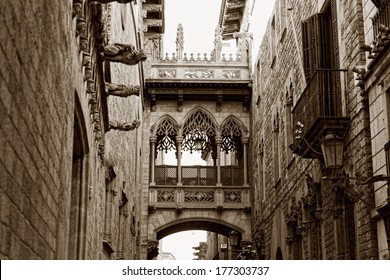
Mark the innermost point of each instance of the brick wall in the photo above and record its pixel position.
(36, 113)
(43, 83)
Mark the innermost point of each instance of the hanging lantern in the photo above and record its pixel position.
(332, 148)
(198, 143)
(233, 238)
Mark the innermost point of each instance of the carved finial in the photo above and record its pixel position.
(217, 43)
(179, 41)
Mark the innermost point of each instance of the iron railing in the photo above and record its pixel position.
(320, 98)
(232, 175)
(382, 16)
(199, 175)
(166, 175)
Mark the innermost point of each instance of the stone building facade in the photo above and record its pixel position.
(70, 150)
(303, 208)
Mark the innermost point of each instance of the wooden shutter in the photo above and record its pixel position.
(317, 43)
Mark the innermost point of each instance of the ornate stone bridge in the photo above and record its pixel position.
(198, 102)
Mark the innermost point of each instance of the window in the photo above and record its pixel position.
(79, 189)
(319, 41)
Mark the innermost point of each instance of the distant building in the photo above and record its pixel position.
(201, 253)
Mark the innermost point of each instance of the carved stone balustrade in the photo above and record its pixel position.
(195, 197)
(201, 67)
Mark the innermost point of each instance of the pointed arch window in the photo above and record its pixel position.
(231, 137)
(199, 127)
(166, 135)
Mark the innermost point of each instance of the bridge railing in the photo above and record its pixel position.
(199, 175)
(199, 197)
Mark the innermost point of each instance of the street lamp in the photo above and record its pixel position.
(233, 238)
(332, 148)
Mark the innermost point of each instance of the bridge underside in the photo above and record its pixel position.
(165, 222)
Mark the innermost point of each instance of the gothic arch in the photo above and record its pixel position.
(232, 132)
(238, 123)
(199, 124)
(165, 130)
(207, 224)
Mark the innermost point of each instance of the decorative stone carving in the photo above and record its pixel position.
(121, 90)
(90, 86)
(179, 41)
(86, 59)
(219, 101)
(80, 27)
(313, 192)
(83, 43)
(294, 220)
(167, 73)
(123, 53)
(180, 102)
(217, 43)
(77, 9)
(101, 153)
(124, 126)
(153, 102)
(235, 74)
(152, 249)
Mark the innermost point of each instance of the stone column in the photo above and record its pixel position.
(179, 141)
(152, 159)
(218, 140)
(245, 159)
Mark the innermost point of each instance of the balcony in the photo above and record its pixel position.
(199, 188)
(198, 175)
(319, 111)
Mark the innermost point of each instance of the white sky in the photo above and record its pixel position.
(199, 19)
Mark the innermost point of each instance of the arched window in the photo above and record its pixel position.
(166, 135)
(231, 136)
(199, 128)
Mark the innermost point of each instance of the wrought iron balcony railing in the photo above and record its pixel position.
(318, 109)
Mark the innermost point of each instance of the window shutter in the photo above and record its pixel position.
(317, 44)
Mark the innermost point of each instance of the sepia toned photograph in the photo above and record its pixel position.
(195, 130)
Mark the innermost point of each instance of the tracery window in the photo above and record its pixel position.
(231, 137)
(166, 135)
(199, 127)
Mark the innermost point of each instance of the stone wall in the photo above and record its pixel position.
(124, 147)
(38, 85)
(53, 169)
(280, 175)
